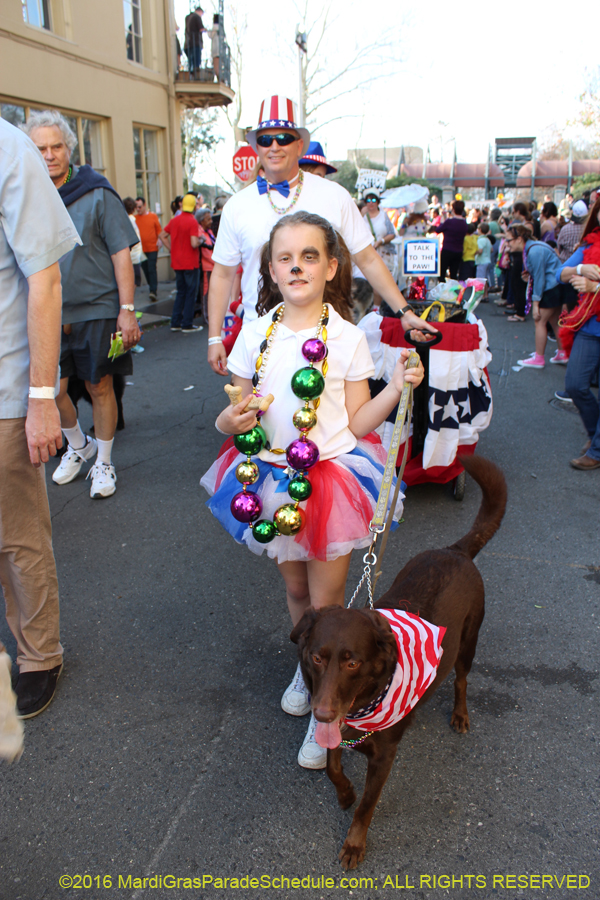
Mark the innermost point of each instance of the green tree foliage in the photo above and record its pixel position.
(585, 183)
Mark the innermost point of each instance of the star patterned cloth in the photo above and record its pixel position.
(460, 397)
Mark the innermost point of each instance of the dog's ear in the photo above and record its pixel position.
(384, 635)
(304, 625)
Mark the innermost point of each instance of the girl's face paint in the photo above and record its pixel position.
(300, 266)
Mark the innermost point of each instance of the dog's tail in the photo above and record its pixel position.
(491, 480)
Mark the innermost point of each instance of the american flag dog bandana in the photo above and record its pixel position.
(420, 650)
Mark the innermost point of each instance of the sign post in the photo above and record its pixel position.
(420, 256)
(244, 161)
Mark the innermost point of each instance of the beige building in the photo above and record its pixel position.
(112, 67)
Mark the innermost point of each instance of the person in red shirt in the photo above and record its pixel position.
(149, 229)
(180, 237)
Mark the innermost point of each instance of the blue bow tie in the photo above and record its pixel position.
(283, 477)
(263, 186)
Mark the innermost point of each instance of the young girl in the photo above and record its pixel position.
(309, 494)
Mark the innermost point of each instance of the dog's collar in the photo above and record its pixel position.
(366, 710)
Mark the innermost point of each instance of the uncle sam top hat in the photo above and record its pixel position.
(278, 112)
(315, 154)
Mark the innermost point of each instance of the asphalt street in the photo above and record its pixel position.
(165, 752)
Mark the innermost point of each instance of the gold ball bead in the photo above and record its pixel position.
(247, 473)
(289, 520)
(304, 419)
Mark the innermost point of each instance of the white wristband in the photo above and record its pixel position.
(41, 393)
(579, 269)
(220, 430)
(214, 340)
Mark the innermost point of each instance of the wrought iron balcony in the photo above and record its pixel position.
(204, 80)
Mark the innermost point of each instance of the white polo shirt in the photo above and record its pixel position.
(349, 360)
(247, 220)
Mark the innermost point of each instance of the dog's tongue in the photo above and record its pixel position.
(328, 734)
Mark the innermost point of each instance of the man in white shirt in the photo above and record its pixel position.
(35, 232)
(249, 216)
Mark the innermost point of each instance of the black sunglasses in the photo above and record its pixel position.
(265, 140)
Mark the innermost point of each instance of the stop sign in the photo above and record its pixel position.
(244, 161)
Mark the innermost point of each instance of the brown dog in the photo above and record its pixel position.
(348, 656)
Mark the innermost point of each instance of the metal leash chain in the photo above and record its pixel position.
(377, 525)
(366, 574)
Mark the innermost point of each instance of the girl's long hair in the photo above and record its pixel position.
(338, 291)
(591, 222)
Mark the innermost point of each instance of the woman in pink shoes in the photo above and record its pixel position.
(540, 265)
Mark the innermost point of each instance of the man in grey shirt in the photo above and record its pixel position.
(35, 232)
(98, 289)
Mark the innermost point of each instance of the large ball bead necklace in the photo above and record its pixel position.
(301, 454)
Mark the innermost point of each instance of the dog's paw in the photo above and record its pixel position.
(460, 722)
(351, 855)
(346, 797)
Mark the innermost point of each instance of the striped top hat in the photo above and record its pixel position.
(278, 112)
(315, 154)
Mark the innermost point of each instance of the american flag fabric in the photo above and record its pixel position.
(277, 112)
(460, 396)
(419, 646)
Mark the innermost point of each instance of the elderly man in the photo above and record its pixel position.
(35, 232)
(98, 288)
(249, 216)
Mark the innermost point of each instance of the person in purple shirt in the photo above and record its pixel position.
(454, 230)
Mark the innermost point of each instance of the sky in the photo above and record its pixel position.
(463, 71)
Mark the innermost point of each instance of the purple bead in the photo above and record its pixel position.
(302, 455)
(246, 507)
(314, 350)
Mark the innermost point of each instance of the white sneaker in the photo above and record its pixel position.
(72, 461)
(295, 700)
(104, 480)
(311, 756)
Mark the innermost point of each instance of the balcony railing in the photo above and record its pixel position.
(197, 63)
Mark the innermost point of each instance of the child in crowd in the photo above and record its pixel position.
(468, 266)
(303, 348)
(483, 256)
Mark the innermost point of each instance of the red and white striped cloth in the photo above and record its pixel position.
(277, 112)
(419, 653)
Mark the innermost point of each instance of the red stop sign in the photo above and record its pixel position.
(244, 161)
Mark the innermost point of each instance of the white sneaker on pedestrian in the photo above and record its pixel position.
(311, 756)
(295, 700)
(192, 329)
(104, 480)
(72, 461)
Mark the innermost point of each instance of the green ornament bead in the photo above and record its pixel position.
(252, 442)
(308, 383)
(264, 531)
(299, 488)
(247, 472)
(304, 419)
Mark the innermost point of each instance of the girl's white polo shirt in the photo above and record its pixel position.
(349, 360)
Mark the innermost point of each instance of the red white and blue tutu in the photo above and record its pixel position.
(338, 512)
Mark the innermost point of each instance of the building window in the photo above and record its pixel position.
(13, 114)
(133, 29)
(88, 149)
(147, 170)
(36, 12)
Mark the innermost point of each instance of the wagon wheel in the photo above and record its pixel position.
(459, 486)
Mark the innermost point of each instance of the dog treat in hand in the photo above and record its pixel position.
(260, 403)
(234, 394)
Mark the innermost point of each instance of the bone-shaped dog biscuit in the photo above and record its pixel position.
(235, 397)
(234, 394)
